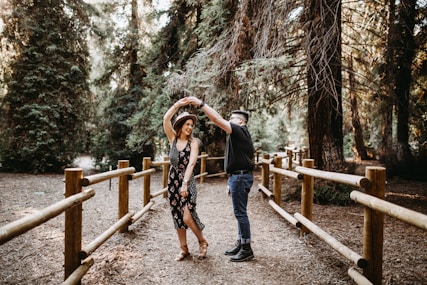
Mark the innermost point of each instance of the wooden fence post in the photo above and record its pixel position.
(374, 227)
(300, 157)
(165, 175)
(277, 182)
(73, 222)
(202, 167)
(265, 181)
(290, 158)
(146, 165)
(307, 194)
(123, 194)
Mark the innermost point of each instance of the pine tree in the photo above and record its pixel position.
(47, 89)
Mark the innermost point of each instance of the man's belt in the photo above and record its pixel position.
(238, 172)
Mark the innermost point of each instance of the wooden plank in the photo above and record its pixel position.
(349, 179)
(155, 194)
(33, 220)
(140, 174)
(78, 274)
(284, 214)
(339, 247)
(265, 191)
(139, 214)
(406, 215)
(96, 178)
(358, 277)
(285, 172)
(92, 246)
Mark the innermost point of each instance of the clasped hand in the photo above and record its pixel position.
(191, 100)
(183, 191)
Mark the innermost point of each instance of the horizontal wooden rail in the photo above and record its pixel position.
(78, 274)
(349, 179)
(339, 247)
(200, 175)
(295, 150)
(215, 158)
(33, 220)
(217, 174)
(358, 277)
(406, 215)
(159, 163)
(158, 193)
(91, 247)
(267, 161)
(284, 214)
(142, 173)
(139, 214)
(285, 172)
(266, 191)
(96, 178)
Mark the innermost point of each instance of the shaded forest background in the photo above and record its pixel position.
(347, 79)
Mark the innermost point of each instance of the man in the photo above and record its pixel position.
(238, 164)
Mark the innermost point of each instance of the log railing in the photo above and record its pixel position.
(373, 183)
(77, 258)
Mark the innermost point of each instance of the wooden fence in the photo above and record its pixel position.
(373, 184)
(78, 260)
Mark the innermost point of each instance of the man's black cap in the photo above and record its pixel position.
(243, 113)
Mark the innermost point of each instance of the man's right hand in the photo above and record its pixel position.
(194, 101)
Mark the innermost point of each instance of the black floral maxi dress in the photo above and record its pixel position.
(179, 161)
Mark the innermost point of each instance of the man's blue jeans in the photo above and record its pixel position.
(240, 185)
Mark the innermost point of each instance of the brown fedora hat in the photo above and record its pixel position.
(184, 116)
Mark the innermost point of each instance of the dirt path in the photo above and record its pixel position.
(145, 255)
(281, 257)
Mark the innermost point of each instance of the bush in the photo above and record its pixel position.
(332, 193)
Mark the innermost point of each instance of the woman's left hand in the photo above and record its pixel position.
(183, 191)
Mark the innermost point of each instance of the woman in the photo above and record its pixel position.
(182, 193)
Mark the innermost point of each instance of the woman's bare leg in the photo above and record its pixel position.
(189, 221)
(182, 236)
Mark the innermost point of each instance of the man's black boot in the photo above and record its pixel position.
(234, 250)
(245, 253)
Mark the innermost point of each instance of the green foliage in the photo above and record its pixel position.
(47, 91)
(215, 16)
(109, 143)
(147, 122)
(348, 145)
(332, 193)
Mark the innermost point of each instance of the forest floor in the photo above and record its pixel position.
(145, 255)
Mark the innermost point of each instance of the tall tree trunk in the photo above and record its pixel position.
(360, 148)
(323, 49)
(136, 77)
(136, 72)
(386, 106)
(404, 55)
(242, 44)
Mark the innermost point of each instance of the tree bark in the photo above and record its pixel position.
(404, 56)
(360, 149)
(386, 106)
(323, 50)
